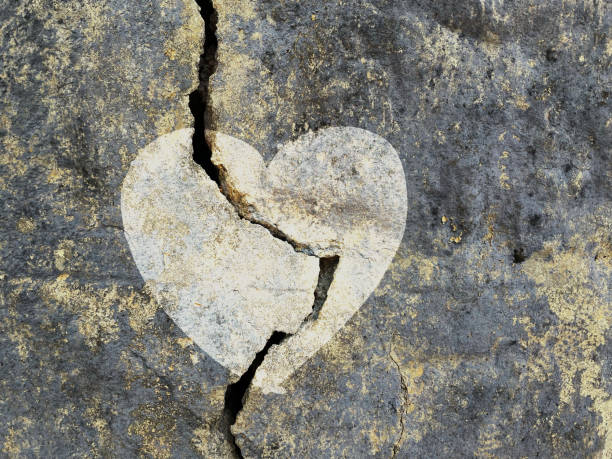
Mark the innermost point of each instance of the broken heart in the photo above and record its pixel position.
(230, 270)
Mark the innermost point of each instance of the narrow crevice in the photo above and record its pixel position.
(199, 99)
(327, 269)
(518, 255)
(234, 394)
(199, 104)
(275, 232)
(404, 402)
(245, 211)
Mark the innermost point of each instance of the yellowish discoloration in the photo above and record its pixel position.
(456, 239)
(202, 440)
(574, 279)
(426, 267)
(521, 102)
(490, 230)
(504, 178)
(95, 419)
(185, 342)
(411, 372)
(96, 308)
(17, 439)
(21, 334)
(63, 254)
(576, 287)
(25, 225)
(156, 427)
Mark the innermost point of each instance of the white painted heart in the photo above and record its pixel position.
(227, 282)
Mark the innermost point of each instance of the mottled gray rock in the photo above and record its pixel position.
(89, 366)
(489, 334)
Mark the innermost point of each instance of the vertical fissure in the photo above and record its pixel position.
(327, 269)
(234, 394)
(200, 98)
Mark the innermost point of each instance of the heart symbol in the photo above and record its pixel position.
(217, 269)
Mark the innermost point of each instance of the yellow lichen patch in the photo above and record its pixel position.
(21, 334)
(521, 102)
(504, 181)
(155, 425)
(63, 254)
(186, 42)
(414, 410)
(203, 439)
(184, 342)
(100, 424)
(504, 178)
(412, 373)
(489, 440)
(426, 267)
(576, 286)
(95, 308)
(98, 324)
(141, 309)
(490, 229)
(58, 175)
(17, 439)
(456, 239)
(25, 225)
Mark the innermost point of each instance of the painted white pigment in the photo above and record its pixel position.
(339, 191)
(227, 282)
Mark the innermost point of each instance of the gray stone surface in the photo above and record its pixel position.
(487, 336)
(89, 364)
(490, 333)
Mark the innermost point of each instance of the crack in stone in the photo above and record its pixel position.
(199, 103)
(200, 98)
(236, 392)
(234, 197)
(404, 401)
(327, 269)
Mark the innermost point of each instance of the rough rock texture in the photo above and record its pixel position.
(490, 333)
(89, 365)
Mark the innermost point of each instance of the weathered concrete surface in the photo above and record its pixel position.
(490, 333)
(89, 366)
